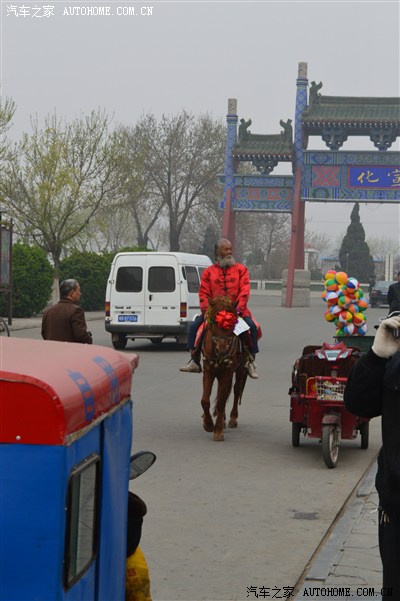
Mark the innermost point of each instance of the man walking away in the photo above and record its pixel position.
(65, 321)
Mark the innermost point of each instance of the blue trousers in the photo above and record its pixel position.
(194, 326)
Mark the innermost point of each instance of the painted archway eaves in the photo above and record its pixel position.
(360, 113)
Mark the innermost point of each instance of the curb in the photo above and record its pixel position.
(332, 546)
(36, 322)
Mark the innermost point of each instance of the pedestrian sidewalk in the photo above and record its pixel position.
(27, 323)
(347, 565)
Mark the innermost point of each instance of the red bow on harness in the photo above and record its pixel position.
(225, 320)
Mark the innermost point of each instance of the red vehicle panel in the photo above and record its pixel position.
(45, 407)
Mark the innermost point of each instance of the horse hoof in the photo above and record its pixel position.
(218, 436)
(233, 423)
(208, 427)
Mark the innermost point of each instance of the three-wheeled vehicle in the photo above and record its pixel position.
(319, 378)
(65, 443)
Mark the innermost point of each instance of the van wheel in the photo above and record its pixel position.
(156, 340)
(120, 343)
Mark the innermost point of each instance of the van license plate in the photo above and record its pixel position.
(132, 318)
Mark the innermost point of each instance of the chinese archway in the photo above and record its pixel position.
(333, 175)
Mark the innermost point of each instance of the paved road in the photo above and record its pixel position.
(226, 519)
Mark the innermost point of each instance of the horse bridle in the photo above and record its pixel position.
(222, 359)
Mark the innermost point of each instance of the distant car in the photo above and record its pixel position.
(379, 292)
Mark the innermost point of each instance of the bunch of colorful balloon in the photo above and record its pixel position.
(346, 304)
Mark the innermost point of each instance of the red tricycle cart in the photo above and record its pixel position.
(319, 378)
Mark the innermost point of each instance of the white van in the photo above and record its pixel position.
(152, 295)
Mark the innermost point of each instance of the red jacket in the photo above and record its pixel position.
(231, 281)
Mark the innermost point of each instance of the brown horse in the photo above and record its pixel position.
(223, 356)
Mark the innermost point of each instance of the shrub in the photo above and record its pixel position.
(91, 270)
(32, 281)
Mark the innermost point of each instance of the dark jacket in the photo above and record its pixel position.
(373, 388)
(65, 322)
(393, 297)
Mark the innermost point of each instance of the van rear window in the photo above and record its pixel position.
(192, 278)
(161, 279)
(129, 279)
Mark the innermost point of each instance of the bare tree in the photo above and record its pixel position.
(319, 243)
(265, 242)
(7, 110)
(382, 246)
(203, 218)
(61, 178)
(137, 194)
(111, 229)
(181, 158)
(275, 239)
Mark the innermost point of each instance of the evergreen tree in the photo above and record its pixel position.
(208, 246)
(354, 254)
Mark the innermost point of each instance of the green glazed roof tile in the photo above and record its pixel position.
(353, 109)
(264, 147)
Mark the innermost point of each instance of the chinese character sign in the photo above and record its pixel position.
(374, 177)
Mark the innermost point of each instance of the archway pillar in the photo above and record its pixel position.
(229, 218)
(229, 221)
(296, 253)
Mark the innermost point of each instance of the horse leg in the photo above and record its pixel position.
(208, 380)
(240, 381)
(224, 388)
(215, 413)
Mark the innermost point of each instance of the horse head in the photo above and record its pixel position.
(219, 304)
(222, 318)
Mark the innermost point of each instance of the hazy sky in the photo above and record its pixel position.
(170, 55)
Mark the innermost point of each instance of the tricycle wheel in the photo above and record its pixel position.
(296, 429)
(330, 444)
(364, 431)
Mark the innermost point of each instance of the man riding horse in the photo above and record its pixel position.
(224, 278)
